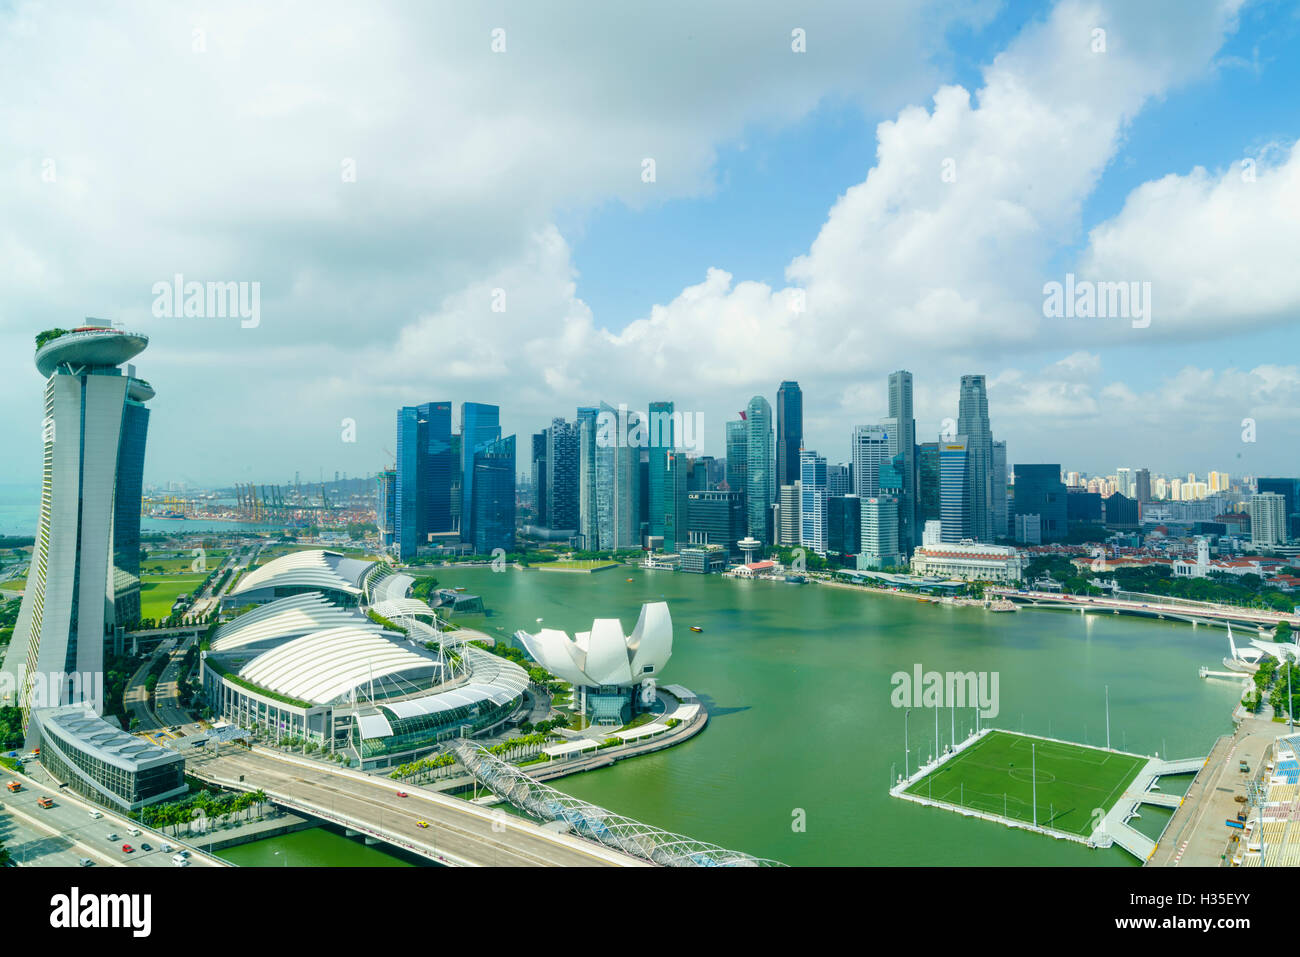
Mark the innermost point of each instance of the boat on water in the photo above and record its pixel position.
(696, 628)
(629, 579)
(171, 517)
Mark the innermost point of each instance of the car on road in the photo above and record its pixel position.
(44, 802)
(179, 861)
(145, 847)
(128, 849)
(166, 848)
(421, 823)
(402, 794)
(113, 838)
(95, 815)
(85, 862)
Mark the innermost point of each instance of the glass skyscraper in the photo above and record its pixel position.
(425, 469)
(954, 490)
(662, 441)
(737, 455)
(563, 448)
(760, 469)
(900, 410)
(480, 425)
(973, 424)
(789, 432)
(493, 502)
(812, 501)
(128, 499)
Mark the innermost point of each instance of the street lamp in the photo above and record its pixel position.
(906, 749)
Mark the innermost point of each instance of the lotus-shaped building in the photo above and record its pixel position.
(604, 665)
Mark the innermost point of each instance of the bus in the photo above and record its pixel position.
(44, 802)
(14, 787)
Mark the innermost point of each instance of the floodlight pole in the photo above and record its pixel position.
(936, 734)
(954, 724)
(1033, 772)
(906, 749)
(1107, 717)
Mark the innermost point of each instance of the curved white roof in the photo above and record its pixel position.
(495, 679)
(288, 618)
(328, 571)
(325, 666)
(396, 608)
(391, 588)
(603, 656)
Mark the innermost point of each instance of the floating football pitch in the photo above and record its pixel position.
(994, 776)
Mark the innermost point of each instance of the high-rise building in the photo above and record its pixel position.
(660, 445)
(386, 505)
(900, 410)
(1267, 519)
(676, 504)
(872, 445)
(927, 482)
(954, 489)
(1142, 485)
(738, 455)
(618, 479)
(1124, 481)
(760, 468)
(812, 501)
(999, 483)
(480, 426)
(717, 517)
(837, 479)
(789, 529)
(1289, 489)
(973, 423)
(843, 524)
(424, 474)
(563, 451)
(539, 478)
(128, 499)
(879, 532)
(1120, 511)
(789, 432)
(1040, 491)
(493, 502)
(588, 525)
(407, 515)
(56, 652)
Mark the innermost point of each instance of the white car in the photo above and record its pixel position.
(95, 815)
(178, 861)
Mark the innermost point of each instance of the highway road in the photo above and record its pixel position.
(459, 832)
(62, 835)
(167, 704)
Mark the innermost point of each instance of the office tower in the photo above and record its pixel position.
(128, 499)
(999, 503)
(900, 410)
(407, 515)
(789, 432)
(492, 505)
(538, 459)
(703, 470)
(927, 482)
(662, 441)
(1142, 485)
(588, 526)
(737, 454)
(1040, 491)
(1120, 511)
(1289, 489)
(676, 492)
(437, 467)
(386, 505)
(480, 426)
(879, 532)
(837, 479)
(760, 466)
(812, 501)
(1268, 519)
(717, 517)
(56, 652)
(789, 528)
(954, 490)
(1124, 482)
(872, 445)
(563, 451)
(843, 524)
(457, 481)
(618, 479)
(973, 423)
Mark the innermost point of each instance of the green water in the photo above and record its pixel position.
(797, 679)
(315, 847)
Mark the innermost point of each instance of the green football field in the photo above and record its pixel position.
(994, 776)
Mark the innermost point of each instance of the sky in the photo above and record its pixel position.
(551, 205)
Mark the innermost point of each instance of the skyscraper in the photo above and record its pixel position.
(407, 515)
(879, 532)
(618, 479)
(954, 490)
(1142, 486)
(676, 491)
(480, 425)
(760, 469)
(386, 505)
(789, 432)
(998, 506)
(538, 459)
(128, 498)
(900, 410)
(837, 479)
(1267, 519)
(1040, 491)
(660, 445)
(738, 455)
(493, 503)
(872, 445)
(56, 653)
(973, 423)
(588, 524)
(812, 501)
(563, 451)
(927, 482)
(424, 474)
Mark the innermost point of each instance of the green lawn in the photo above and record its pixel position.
(583, 564)
(157, 595)
(994, 776)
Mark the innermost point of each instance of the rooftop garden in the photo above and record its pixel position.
(49, 335)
